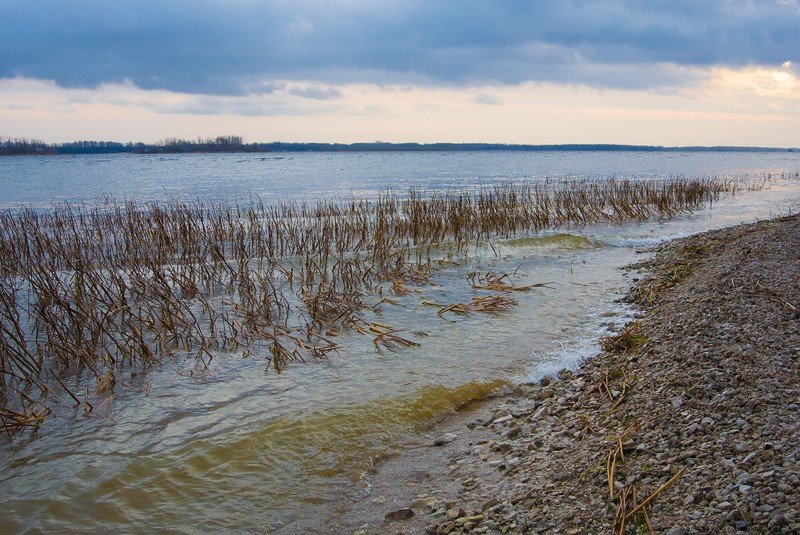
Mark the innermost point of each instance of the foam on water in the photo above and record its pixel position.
(572, 353)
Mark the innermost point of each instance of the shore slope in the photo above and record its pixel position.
(688, 420)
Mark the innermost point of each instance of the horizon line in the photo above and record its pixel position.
(230, 143)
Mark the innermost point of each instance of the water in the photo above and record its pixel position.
(244, 449)
(40, 180)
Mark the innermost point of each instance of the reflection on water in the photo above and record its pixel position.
(244, 449)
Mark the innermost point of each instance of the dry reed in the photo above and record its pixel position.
(88, 290)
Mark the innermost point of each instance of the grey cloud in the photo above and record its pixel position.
(263, 88)
(232, 48)
(316, 93)
(484, 98)
(242, 106)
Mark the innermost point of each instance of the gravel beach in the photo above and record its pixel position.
(686, 422)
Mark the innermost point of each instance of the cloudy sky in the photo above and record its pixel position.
(671, 72)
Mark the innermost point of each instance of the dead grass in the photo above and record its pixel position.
(627, 340)
(88, 290)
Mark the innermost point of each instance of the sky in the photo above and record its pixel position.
(662, 72)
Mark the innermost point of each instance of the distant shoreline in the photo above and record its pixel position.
(234, 144)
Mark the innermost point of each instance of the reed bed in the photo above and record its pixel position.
(88, 290)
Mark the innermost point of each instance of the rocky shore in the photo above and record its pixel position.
(687, 422)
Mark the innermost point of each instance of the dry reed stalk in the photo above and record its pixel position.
(496, 282)
(628, 508)
(626, 495)
(588, 425)
(646, 502)
(619, 398)
(617, 454)
(386, 336)
(89, 290)
(487, 304)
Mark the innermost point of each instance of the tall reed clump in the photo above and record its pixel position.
(88, 290)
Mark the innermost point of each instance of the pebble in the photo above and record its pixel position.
(707, 422)
(426, 502)
(503, 419)
(445, 439)
(400, 514)
(454, 513)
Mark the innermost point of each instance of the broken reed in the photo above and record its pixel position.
(88, 290)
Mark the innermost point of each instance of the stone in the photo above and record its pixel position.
(427, 502)
(401, 514)
(445, 528)
(488, 504)
(445, 439)
(455, 512)
(503, 419)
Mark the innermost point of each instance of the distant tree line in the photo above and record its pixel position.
(22, 146)
(18, 146)
(10, 146)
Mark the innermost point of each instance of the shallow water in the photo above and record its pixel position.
(244, 449)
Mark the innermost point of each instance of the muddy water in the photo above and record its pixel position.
(245, 449)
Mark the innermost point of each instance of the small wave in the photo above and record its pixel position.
(570, 356)
(306, 458)
(617, 240)
(555, 241)
(347, 429)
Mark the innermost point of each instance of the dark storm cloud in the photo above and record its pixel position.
(242, 46)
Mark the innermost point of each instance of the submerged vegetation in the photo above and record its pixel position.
(88, 290)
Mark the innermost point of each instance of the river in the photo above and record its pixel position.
(246, 449)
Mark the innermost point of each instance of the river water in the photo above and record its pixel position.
(245, 449)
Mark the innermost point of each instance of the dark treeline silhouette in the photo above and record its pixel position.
(16, 146)
(95, 147)
(24, 146)
(21, 146)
